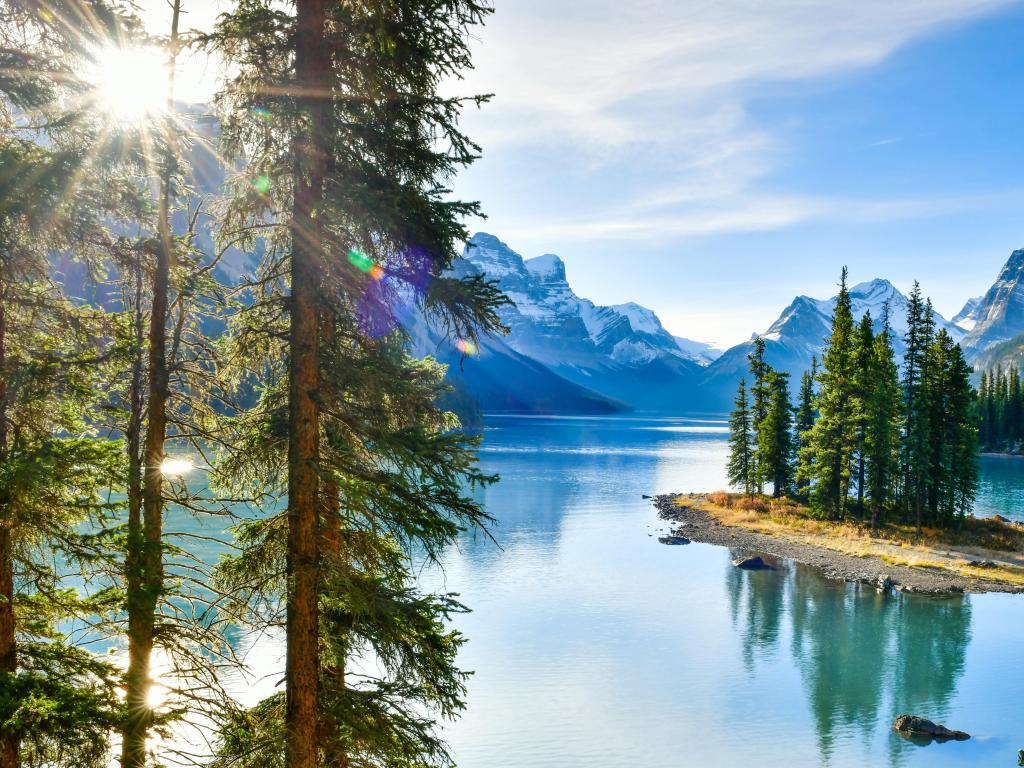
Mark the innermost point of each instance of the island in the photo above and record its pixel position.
(983, 555)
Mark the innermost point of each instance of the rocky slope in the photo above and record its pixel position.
(999, 315)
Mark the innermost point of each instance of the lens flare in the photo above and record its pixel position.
(377, 272)
(261, 113)
(261, 184)
(175, 467)
(360, 261)
(466, 347)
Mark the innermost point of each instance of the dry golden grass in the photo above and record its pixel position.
(897, 544)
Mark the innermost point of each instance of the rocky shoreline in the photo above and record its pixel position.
(698, 525)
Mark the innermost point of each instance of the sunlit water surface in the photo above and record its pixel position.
(594, 646)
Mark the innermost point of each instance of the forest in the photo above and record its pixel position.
(137, 384)
(867, 438)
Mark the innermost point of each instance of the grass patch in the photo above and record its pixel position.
(895, 543)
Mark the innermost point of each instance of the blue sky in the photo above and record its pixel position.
(711, 159)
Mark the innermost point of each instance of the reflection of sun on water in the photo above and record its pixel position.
(130, 83)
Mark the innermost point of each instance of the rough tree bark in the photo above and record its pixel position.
(302, 664)
(9, 740)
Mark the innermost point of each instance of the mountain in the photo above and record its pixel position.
(621, 352)
(801, 330)
(967, 317)
(699, 351)
(999, 316)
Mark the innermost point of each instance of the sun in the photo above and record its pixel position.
(130, 84)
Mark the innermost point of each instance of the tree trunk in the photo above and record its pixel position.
(336, 755)
(9, 740)
(860, 487)
(302, 664)
(144, 560)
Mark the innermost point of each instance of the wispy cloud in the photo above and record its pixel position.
(646, 105)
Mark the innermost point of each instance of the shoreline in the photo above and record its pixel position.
(699, 525)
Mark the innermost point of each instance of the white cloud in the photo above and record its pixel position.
(640, 109)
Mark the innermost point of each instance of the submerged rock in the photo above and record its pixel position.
(755, 563)
(911, 725)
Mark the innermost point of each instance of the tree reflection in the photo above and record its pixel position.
(863, 657)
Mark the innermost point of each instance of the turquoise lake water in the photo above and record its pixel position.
(595, 646)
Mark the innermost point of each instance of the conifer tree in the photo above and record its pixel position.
(806, 413)
(916, 449)
(741, 442)
(347, 142)
(833, 438)
(863, 375)
(760, 397)
(775, 439)
(882, 406)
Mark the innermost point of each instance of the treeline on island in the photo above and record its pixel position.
(317, 440)
(867, 438)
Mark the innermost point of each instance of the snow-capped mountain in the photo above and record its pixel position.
(967, 317)
(800, 332)
(700, 351)
(620, 351)
(999, 315)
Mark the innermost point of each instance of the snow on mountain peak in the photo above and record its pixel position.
(552, 324)
(547, 265)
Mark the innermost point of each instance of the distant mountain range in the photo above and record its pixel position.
(566, 354)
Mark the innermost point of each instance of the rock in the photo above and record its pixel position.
(754, 563)
(982, 563)
(883, 583)
(673, 539)
(911, 725)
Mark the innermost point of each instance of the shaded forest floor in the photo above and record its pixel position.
(986, 555)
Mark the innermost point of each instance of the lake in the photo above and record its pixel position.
(594, 645)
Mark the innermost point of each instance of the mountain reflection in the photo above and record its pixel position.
(863, 657)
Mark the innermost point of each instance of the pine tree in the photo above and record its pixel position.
(882, 407)
(760, 397)
(916, 449)
(336, 114)
(806, 414)
(741, 443)
(863, 375)
(833, 438)
(775, 440)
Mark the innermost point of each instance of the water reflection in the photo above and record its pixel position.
(863, 657)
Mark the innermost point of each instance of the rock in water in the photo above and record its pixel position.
(673, 539)
(754, 563)
(911, 725)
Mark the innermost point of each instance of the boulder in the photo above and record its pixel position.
(883, 583)
(911, 725)
(673, 539)
(755, 563)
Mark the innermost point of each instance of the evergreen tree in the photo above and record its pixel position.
(917, 443)
(741, 442)
(806, 413)
(336, 113)
(775, 439)
(882, 406)
(833, 438)
(760, 398)
(863, 378)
